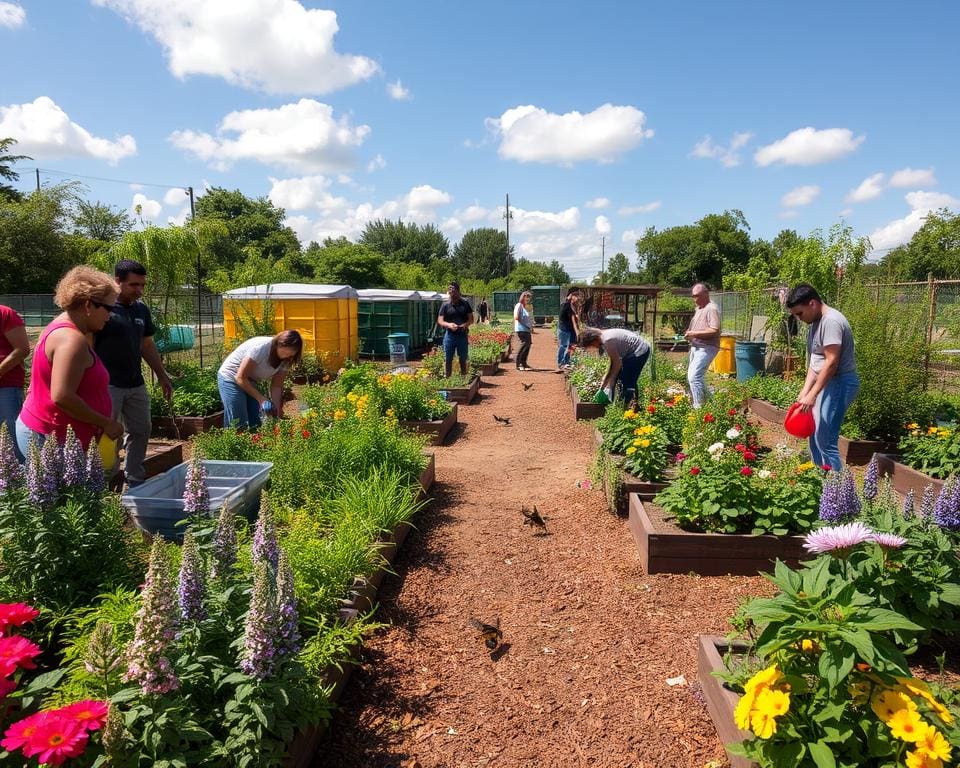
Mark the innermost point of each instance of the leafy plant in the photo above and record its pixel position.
(780, 392)
(934, 450)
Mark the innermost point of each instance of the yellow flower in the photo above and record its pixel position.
(763, 679)
(934, 745)
(931, 430)
(644, 443)
(352, 397)
(638, 431)
(944, 433)
(809, 646)
(768, 706)
(630, 414)
(647, 429)
(631, 450)
(763, 724)
(921, 759)
(912, 425)
(907, 725)
(391, 412)
(741, 715)
(919, 688)
(887, 703)
(339, 414)
(805, 466)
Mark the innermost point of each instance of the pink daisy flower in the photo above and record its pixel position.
(836, 538)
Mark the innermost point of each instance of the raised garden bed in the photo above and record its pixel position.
(439, 429)
(905, 479)
(720, 701)
(859, 452)
(665, 548)
(163, 426)
(585, 411)
(463, 395)
(489, 369)
(162, 456)
(631, 485)
(767, 411)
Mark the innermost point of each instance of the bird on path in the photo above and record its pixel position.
(489, 633)
(505, 420)
(526, 386)
(534, 519)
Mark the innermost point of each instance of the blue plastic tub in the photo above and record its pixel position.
(751, 359)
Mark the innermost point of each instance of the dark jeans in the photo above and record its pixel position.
(458, 343)
(526, 339)
(629, 374)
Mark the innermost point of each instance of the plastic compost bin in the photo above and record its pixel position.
(156, 506)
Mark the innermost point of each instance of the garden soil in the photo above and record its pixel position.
(598, 662)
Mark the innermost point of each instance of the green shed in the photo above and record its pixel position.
(505, 301)
(382, 311)
(428, 310)
(546, 300)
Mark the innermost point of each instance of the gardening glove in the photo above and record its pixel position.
(267, 407)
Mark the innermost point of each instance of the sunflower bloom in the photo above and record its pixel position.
(933, 744)
(920, 759)
(907, 725)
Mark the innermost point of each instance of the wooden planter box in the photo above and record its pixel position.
(439, 429)
(665, 548)
(720, 701)
(161, 457)
(859, 452)
(631, 485)
(905, 479)
(464, 395)
(189, 425)
(585, 411)
(489, 369)
(767, 411)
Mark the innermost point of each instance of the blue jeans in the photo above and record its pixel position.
(459, 343)
(239, 409)
(831, 408)
(700, 359)
(629, 374)
(25, 435)
(564, 340)
(11, 401)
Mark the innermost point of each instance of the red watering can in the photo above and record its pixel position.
(799, 423)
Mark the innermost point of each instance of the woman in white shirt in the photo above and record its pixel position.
(523, 327)
(256, 360)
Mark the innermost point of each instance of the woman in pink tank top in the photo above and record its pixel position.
(68, 383)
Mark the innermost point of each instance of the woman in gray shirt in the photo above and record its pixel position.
(628, 353)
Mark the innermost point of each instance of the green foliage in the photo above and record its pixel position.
(6, 172)
(529, 273)
(933, 249)
(781, 392)
(407, 276)
(483, 254)
(195, 392)
(99, 221)
(340, 262)
(407, 243)
(934, 451)
(617, 270)
(587, 374)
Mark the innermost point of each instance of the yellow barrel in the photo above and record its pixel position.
(725, 362)
(325, 316)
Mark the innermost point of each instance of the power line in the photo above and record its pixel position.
(112, 181)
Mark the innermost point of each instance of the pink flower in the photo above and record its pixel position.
(16, 615)
(746, 471)
(837, 538)
(681, 456)
(694, 470)
(732, 412)
(749, 455)
(20, 733)
(889, 540)
(16, 652)
(90, 714)
(55, 740)
(826, 467)
(740, 447)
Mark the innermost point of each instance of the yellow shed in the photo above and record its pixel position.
(325, 315)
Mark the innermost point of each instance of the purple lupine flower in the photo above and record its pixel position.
(42, 486)
(156, 628)
(837, 539)
(96, 478)
(265, 547)
(11, 473)
(830, 511)
(259, 652)
(889, 540)
(196, 495)
(908, 503)
(927, 502)
(849, 501)
(288, 620)
(946, 510)
(192, 587)
(74, 461)
(870, 479)
(224, 545)
(51, 460)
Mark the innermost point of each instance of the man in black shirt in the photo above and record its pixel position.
(567, 327)
(456, 316)
(124, 342)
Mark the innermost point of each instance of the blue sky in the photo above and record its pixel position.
(599, 119)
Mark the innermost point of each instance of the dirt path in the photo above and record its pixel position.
(589, 640)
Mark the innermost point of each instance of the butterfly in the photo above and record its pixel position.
(502, 419)
(526, 386)
(533, 519)
(490, 633)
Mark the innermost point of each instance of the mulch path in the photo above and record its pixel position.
(589, 640)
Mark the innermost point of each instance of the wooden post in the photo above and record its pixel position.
(931, 319)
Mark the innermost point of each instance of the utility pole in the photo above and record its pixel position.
(507, 215)
(38, 179)
(603, 254)
(193, 213)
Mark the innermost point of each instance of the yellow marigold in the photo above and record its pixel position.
(644, 443)
(638, 431)
(805, 466)
(631, 450)
(912, 425)
(743, 710)
(933, 744)
(647, 429)
(887, 703)
(679, 398)
(763, 679)
(907, 725)
(630, 414)
(920, 759)
(339, 414)
(931, 430)
(809, 646)
(768, 706)
(352, 397)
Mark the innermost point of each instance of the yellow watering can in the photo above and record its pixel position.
(109, 451)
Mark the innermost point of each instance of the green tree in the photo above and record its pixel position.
(934, 248)
(407, 276)
(6, 172)
(99, 221)
(250, 223)
(397, 241)
(618, 270)
(483, 254)
(341, 262)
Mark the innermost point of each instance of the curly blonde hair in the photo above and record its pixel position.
(82, 284)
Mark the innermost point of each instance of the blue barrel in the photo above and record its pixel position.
(398, 344)
(751, 358)
(174, 338)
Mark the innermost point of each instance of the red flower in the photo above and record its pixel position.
(694, 470)
(747, 471)
(732, 412)
(16, 652)
(55, 740)
(740, 447)
(749, 455)
(256, 438)
(709, 418)
(681, 456)
(22, 731)
(651, 409)
(826, 467)
(305, 434)
(276, 431)
(16, 615)
(669, 404)
(738, 427)
(90, 714)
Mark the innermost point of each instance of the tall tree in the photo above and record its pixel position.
(483, 254)
(99, 221)
(618, 270)
(341, 262)
(6, 172)
(398, 241)
(934, 248)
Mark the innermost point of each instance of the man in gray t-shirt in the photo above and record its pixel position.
(832, 382)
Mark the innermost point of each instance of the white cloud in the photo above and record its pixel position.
(180, 217)
(633, 210)
(929, 201)
(475, 213)
(800, 196)
(808, 146)
(545, 221)
(869, 188)
(149, 209)
(908, 177)
(597, 202)
(899, 231)
(788, 214)
(43, 130)
(12, 16)
(846, 212)
(602, 225)
(304, 136)
(376, 164)
(631, 236)
(305, 192)
(530, 134)
(397, 92)
(174, 197)
(728, 156)
(277, 46)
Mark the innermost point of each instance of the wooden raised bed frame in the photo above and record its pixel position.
(665, 548)
(489, 369)
(438, 429)
(905, 479)
(189, 425)
(463, 395)
(720, 701)
(585, 411)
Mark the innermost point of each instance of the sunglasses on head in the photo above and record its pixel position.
(103, 305)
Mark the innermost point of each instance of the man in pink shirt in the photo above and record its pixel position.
(704, 337)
